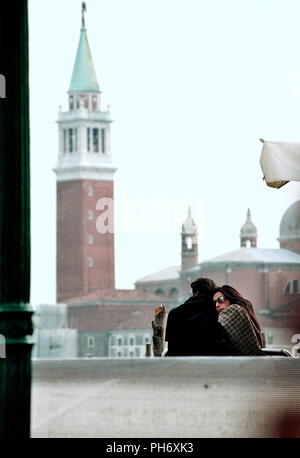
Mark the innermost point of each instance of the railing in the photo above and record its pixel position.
(277, 352)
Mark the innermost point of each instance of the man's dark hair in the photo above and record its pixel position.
(203, 286)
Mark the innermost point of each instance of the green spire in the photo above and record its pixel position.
(84, 78)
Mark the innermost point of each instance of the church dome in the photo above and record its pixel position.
(290, 223)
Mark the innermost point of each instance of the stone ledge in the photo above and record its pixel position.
(165, 397)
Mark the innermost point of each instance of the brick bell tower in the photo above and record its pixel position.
(84, 171)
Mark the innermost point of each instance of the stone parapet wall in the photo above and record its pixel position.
(166, 397)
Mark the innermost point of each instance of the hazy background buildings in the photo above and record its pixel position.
(189, 137)
(191, 86)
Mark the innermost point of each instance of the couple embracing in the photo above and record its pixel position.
(214, 321)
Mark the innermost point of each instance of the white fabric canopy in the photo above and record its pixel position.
(280, 162)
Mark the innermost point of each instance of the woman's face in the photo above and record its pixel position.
(220, 302)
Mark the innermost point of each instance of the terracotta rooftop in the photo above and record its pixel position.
(170, 273)
(117, 296)
(110, 317)
(254, 255)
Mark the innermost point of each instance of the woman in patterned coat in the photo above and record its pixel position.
(237, 316)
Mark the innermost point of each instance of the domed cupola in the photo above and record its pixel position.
(248, 232)
(289, 230)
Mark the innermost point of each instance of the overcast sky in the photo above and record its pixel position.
(192, 85)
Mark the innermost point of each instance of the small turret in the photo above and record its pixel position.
(248, 232)
(189, 242)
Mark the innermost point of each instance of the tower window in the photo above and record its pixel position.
(94, 102)
(96, 140)
(82, 101)
(70, 131)
(189, 243)
(88, 133)
(75, 139)
(90, 191)
(103, 146)
(71, 102)
(65, 140)
(90, 239)
(90, 214)
(90, 262)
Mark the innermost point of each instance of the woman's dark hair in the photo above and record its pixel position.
(235, 297)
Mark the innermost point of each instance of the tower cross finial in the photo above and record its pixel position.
(83, 10)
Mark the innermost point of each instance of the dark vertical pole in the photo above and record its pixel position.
(15, 312)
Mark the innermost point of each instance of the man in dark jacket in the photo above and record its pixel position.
(192, 328)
